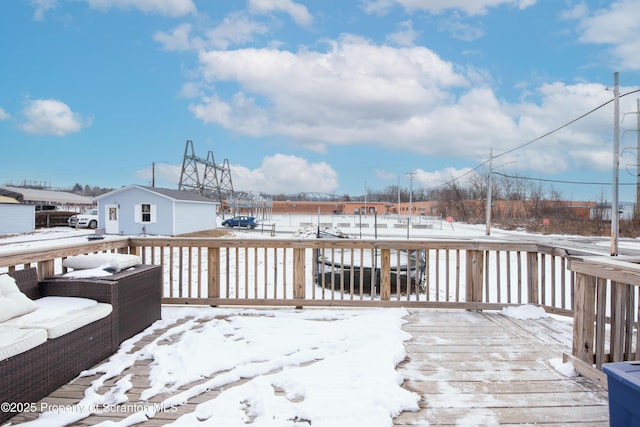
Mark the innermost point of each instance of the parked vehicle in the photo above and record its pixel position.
(88, 219)
(240, 221)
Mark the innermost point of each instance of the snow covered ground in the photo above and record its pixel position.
(302, 365)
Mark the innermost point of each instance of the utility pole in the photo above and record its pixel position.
(638, 165)
(489, 185)
(411, 175)
(615, 213)
(365, 198)
(399, 197)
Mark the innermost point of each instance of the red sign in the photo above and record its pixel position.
(449, 219)
(546, 221)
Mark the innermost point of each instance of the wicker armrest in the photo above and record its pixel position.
(135, 295)
(99, 290)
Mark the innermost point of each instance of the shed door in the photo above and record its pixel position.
(111, 219)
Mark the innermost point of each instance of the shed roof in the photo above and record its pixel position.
(6, 199)
(47, 196)
(178, 195)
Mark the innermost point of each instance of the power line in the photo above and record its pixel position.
(538, 139)
(560, 181)
(569, 123)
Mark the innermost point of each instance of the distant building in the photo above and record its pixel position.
(15, 217)
(48, 199)
(137, 209)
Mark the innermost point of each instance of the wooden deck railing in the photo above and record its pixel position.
(600, 293)
(463, 274)
(606, 310)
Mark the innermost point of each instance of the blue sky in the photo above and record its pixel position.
(327, 96)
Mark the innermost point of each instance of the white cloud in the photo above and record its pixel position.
(428, 179)
(469, 7)
(235, 29)
(42, 7)
(4, 115)
(350, 95)
(385, 175)
(178, 39)
(278, 174)
(459, 29)
(615, 27)
(166, 175)
(284, 174)
(345, 95)
(405, 36)
(162, 7)
(298, 12)
(51, 117)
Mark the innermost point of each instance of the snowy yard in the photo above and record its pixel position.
(319, 367)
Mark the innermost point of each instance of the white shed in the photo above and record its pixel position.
(137, 209)
(16, 218)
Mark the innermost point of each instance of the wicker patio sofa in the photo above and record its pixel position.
(27, 377)
(134, 293)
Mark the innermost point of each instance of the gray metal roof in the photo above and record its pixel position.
(181, 195)
(49, 196)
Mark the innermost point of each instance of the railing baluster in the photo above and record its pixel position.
(508, 254)
(352, 273)
(265, 273)
(498, 277)
(520, 281)
(437, 275)
(427, 274)
(601, 319)
(275, 273)
(447, 272)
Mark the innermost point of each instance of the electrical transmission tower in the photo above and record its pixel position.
(207, 184)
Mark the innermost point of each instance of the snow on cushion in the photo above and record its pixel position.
(13, 302)
(14, 341)
(61, 315)
(113, 261)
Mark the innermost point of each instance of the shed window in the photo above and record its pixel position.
(145, 213)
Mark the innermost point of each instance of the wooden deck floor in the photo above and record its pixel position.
(470, 368)
(487, 369)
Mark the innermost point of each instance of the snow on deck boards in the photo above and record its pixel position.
(469, 368)
(474, 368)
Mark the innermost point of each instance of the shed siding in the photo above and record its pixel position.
(190, 217)
(129, 221)
(169, 216)
(17, 218)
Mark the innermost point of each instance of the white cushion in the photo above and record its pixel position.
(13, 302)
(102, 260)
(88, 273)
(14, 341)
(61, 315)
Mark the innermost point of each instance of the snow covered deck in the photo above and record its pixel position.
(334, 367)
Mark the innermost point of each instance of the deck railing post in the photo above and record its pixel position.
(532, 278)
(385, 274)
(46, 269)
(299, 273)
(584, 318)
(133, 250)
(213, 267)
(474, 276)
(619, 298)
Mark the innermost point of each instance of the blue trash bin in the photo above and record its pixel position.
(623, 379)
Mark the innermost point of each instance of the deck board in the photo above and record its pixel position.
(469, 368)
(487, 369)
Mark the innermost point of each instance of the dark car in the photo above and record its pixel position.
(240, 221)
